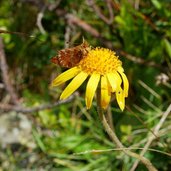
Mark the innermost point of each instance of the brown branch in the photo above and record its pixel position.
(139, 60)
(5, 75)
(136, 4)
(152, 137)
(15, 33)
(19, 108)
(97, 10)
(39, 21)
(75, 20)
(72, 19)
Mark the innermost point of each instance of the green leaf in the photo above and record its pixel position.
(39, 141)
(167, 47)
(156, 3)
(126, 129)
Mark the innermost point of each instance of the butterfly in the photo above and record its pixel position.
(70, 57)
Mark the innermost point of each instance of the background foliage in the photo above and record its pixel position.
(139, 31)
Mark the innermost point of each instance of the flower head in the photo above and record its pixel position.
(103, 68)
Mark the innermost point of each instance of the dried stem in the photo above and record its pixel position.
(19, 108)
(108, 20)
(115, 139)
(75, 20)
(152, 137)
(39, 21)
(5, 75)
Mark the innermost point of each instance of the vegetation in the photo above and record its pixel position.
(37, 132)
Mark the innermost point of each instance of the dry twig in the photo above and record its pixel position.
(107, 20)
(116, 140)
(152, 137)
(5, 75)
(75, 20)
(7, 107)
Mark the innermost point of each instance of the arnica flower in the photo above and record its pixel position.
(102, 67)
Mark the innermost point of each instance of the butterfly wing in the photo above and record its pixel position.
(70, 57)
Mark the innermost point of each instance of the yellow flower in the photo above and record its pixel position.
(103, 67)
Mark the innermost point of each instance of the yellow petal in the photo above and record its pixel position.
(105, 93)
(120, 97)
(91, 88)
(125, 84)
(114, 80)
(120, 69)
(65, 76)
(74, 84)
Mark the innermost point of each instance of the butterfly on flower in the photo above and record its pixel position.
(70, 57)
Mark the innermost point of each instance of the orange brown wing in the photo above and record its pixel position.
(70, 57)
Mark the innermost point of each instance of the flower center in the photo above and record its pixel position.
(100, 61)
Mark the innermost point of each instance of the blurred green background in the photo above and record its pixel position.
(51, 139)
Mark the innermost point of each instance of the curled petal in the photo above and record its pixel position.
(105, 92)
(114, 80)
(125, 84)
(74, 85)
(120, 97)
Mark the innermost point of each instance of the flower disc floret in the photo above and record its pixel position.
(100, 61)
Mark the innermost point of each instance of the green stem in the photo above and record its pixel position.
(116, 140)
